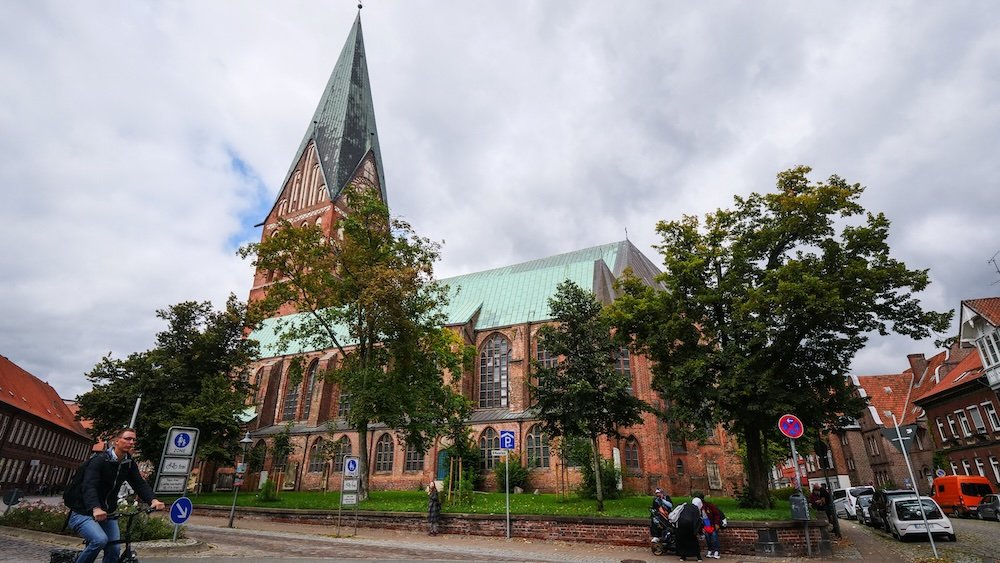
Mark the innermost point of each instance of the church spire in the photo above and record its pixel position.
(343, 126)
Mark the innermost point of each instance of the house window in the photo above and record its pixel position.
(873, 445)
(995, 464)
(843, 439)
(951, 425)
(316, 460)
(991, 413)
(966, 467)
(383, 453)
(291, 402)
(343, 405)
(714, 476)
(850, 463)
(977, 419)
(940, 425)
(414, 459)
(964, 421)
(310, 384)
(343, 448)
(544, 358)
(488, 440)
(679, 467)
(989, 350)
(493, 371)
(980, 468)
(954, 468)
(632, 454)
(538, 447)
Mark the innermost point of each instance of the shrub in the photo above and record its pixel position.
(784, 492)
(269, 492)
(41, 517)
(518, 473)
(609, 480)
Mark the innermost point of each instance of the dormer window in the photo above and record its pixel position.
(989, 349)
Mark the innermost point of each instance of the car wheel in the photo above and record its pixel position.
(952, 537)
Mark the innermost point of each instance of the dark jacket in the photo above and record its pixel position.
(102, 480)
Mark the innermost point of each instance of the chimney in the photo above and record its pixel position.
(918, 363)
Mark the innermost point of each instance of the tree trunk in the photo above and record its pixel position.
(597, 474)
(757, 468)
(363, 461)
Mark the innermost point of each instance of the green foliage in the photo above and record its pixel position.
(583, 396)
(194, 376)
(42, 517)
(764, 306)
(282, 446)
(269, 492)
(255, 459)
(609, 480)
(519, 474)
(783, 493)
(376, 284)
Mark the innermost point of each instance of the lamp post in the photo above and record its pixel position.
(913, 481)
(245, 443)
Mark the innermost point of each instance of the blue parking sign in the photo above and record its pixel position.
(507, 439)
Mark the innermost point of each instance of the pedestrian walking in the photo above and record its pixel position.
(689, 526)
(433, 509)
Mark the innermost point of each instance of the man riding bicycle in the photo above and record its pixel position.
(94, 503)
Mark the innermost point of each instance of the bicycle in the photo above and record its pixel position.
(127, 555)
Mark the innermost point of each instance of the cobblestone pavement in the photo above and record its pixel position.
(978, 542)
(12, 549)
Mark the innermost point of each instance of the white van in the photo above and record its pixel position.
(846, 500)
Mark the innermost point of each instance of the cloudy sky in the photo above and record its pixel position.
(141, 141)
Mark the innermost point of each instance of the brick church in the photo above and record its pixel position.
(498, 311)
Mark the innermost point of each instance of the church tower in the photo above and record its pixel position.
(340, 148)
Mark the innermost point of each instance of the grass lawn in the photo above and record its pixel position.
(486, 503)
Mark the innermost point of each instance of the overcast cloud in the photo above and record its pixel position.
(141, 141)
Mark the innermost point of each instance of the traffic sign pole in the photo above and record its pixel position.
(792, 428)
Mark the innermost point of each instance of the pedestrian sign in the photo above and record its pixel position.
(180, 510)
(507, 439)
(351, 466)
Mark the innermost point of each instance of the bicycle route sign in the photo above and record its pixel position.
(180, 510)
(177, 460)
(791, 426)
(507, 439)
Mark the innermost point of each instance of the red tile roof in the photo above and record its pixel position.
(896, 392)
(988, 307)
(969, 369)
(26, 392)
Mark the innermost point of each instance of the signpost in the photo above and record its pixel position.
(175, 469)
(792, 428)
(349, 489)
(506, 445)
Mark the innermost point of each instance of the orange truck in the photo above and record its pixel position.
(959, 495)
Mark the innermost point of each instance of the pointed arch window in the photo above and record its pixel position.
(291, 402)
(488, 440)
(383, 453)
(310, 383)
(632, 455)
(343, 448)
(493, 372)
(316, 460)
(258, 386)
(537, 443)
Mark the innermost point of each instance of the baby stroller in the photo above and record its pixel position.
(665, 538)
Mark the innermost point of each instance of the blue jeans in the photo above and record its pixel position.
(97, 535)
(712, 541)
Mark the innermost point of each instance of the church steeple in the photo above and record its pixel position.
(343, 126)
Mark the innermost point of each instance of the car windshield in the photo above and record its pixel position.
(976, 489)
(858, 491)
(908, 509)
(864, 501)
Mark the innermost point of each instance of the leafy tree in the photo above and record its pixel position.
(583, 396)
(195, 376)
(764, 306)
(371, 295)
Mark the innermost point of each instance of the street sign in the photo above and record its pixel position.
(175, 465)
(498, 453)
(351, 466)
(349, 499)
(351, 485)
(181, 441)
(940, 473)
(170, 484)
(180, 510)
(507, 439)
(177, 460)
(791, 426)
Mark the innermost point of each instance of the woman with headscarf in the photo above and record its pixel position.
(433, 509)
(689, 524)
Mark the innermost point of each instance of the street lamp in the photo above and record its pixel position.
(920, 501)
(245, 443)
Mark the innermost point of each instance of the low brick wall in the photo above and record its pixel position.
(743, 538)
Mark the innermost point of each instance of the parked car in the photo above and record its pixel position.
(879, 508)
(846, 500)
(906, 521)
(989, 508)
(959, 495)
(864, 510)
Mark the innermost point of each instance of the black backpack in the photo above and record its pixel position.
(74, 490)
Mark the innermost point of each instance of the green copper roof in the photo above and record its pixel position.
(513, 294)
(344, 123)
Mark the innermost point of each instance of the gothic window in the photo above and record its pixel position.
(316, 460)
(343, 404)
(343, 448)
(679, 467)
(310, 381)
(632, 454)
(493, 372)
(258, 394)
(544, 358)
(282, 208)
(383, 453)
(538, 447)
(488, 440)
(414, 459)
(291, 402)
(623, 365)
